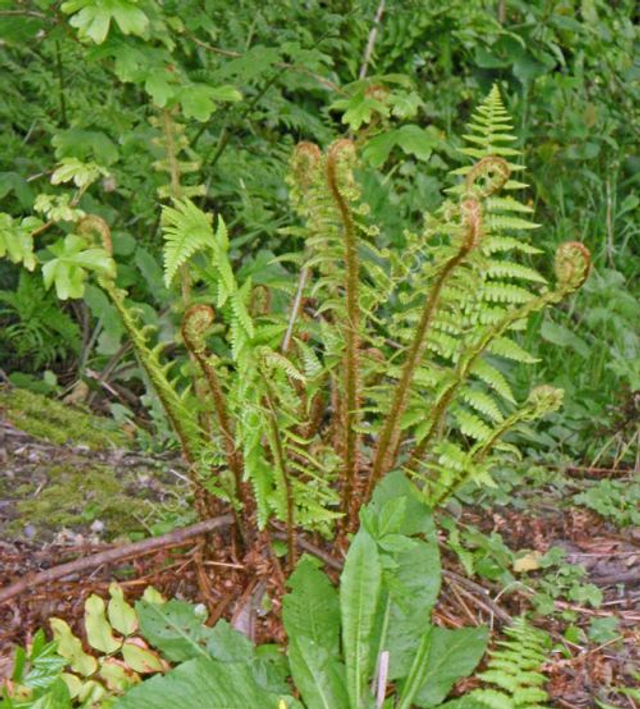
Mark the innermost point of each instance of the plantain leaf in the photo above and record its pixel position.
(204, 684)
(312, 609)
(319, 676)
(174, 628)
(453, 654)
(360, 589)
(311, 615)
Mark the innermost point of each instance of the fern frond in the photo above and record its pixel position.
(187, 230)
(514, 669)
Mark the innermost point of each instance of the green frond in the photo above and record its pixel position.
(471, 425)
(312, 365)
(186, 230)
(514, 677)
(493, 378)
(502, 222)
(482, 402)
(493, 243)
(275, 360)
(506, 293)
(509, 269)
(509, 349)
(507, 204)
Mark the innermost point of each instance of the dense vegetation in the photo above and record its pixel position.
(361, 264)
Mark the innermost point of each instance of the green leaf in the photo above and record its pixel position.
(414, 583)
(99, 632)
(312, 609)
(14, 182)
(73, 170)
(203, 684)
(228, 645)
(93, 17)
(563, 337)
(378, 149)
(415, 141)
(311, 614)
(121, 615)
(199, 101)
(141, 659)
(454, 654)
(16, 241)
(417, 515)
(318, 674)
(360, 588)
(70, 647)
(85, 145)
(72, 264)
(159, 86)
(174, 628)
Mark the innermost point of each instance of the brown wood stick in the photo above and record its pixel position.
(145, 546)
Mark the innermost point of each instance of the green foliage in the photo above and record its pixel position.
(436, 400)
(382, 612)
(63, 675)
(514, 672)
(563, 579)
(35, 331)
(218, 99)
(614, 500)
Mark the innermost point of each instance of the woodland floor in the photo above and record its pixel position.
(60, 500)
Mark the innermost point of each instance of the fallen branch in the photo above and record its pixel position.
(125, 551)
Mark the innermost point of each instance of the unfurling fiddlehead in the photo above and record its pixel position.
(305, 166)
(572, 265)
(389, 439)
(487, 176)
(340, 160)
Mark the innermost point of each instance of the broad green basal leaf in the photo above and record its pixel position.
(453, 654)
(360, 589)
(204, 684)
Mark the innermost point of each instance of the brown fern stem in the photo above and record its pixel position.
(572, 263)
(389, 440)
(195, 322)
(281, 463)
(351, 330)
(390, 436)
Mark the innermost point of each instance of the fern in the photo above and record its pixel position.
(299, 397)
(513, 673)
(187, 230)
(33, 327)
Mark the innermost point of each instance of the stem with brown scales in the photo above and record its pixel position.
(197, 320)
(572, 263)
(280, 460)
(341, 150)
(389, 440)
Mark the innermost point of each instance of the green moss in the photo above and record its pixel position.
(54, 422)
(77, 495)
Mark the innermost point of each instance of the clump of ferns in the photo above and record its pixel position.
(379, 362)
